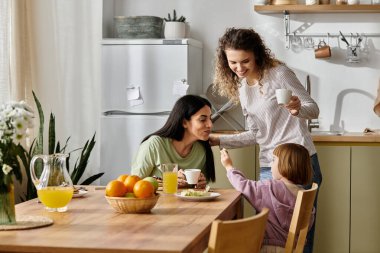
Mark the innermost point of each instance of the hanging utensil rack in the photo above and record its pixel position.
(289, 34)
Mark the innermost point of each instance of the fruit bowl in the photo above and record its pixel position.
(132, 205)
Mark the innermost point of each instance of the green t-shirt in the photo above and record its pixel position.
(158, 150)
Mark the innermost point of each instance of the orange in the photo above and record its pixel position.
(130, 181)
(143, 189)
(122, 177)
(115, 189)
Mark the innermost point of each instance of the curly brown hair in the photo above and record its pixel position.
(226, 82)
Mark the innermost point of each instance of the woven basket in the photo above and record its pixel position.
(132, 205)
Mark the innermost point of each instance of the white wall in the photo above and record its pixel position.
(344, 92)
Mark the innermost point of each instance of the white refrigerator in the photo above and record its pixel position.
(141, 80)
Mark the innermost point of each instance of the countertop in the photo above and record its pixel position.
(352, 138)
(347, 137)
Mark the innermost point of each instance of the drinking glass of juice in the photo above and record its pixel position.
(169, 177)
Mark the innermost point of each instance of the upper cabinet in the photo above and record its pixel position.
(328, 8)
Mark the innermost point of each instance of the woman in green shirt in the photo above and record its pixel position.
(182, 140)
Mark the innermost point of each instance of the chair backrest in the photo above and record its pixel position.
(243, 235)
(299, 225)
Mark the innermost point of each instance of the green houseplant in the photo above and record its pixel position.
(174, 18)
(15, 119)
(54, 146)
(175, 28)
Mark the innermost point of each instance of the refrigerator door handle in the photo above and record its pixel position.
(117, 112)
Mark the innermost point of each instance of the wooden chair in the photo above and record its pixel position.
(243, 235)
(300, 220)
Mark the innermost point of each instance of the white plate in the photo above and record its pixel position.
(212, 196)
(80, 193)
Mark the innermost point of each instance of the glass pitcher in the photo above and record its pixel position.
(54, 186)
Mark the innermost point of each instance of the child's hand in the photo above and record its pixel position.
(225, 159)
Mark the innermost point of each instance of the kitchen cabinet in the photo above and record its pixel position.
(327, 8)
(348, 203)
(365, 199)
(333, 211)
(244, 160)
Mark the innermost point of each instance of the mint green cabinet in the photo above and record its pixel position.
(333, 214)
(365, 199)
(244, 160)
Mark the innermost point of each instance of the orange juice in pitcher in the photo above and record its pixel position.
(54, 186)
(55, 197)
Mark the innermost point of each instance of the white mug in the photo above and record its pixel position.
(283, 96)
(192, 175)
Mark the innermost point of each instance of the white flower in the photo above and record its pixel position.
(15, 119)
(19, 124)
(6, 169)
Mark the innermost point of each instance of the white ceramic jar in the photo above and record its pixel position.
(261, 2)
(311, 2)
(352, 2)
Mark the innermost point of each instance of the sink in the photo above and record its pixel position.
(328, 133)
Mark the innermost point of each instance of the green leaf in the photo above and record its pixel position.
(51, 142)
(38, 149)
(40, 143)
(31, 191)
(83, 160)
(92, 179)
(63, 150)
(58, 148)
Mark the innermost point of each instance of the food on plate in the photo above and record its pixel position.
(130, 182)
(153, 181)
(195, 193)
(115, 188)
(80, 188)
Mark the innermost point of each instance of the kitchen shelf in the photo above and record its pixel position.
(328, 8)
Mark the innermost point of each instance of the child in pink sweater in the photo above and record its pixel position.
(291, 169)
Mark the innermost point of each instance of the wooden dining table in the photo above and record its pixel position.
(92, 225)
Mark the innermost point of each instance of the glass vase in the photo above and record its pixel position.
(7, 205)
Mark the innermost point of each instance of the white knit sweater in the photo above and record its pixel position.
(270, 124)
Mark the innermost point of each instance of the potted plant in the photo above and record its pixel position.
(175, 28)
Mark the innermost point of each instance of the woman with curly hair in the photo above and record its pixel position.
(248, 73)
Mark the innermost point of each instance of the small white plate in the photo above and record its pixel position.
(80, 193)
(212, 196)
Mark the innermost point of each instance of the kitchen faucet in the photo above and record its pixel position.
(310, 123)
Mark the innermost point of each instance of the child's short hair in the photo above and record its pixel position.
(294, 163)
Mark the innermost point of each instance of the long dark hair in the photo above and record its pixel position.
(183, 109)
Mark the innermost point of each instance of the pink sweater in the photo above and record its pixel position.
(274, 195)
